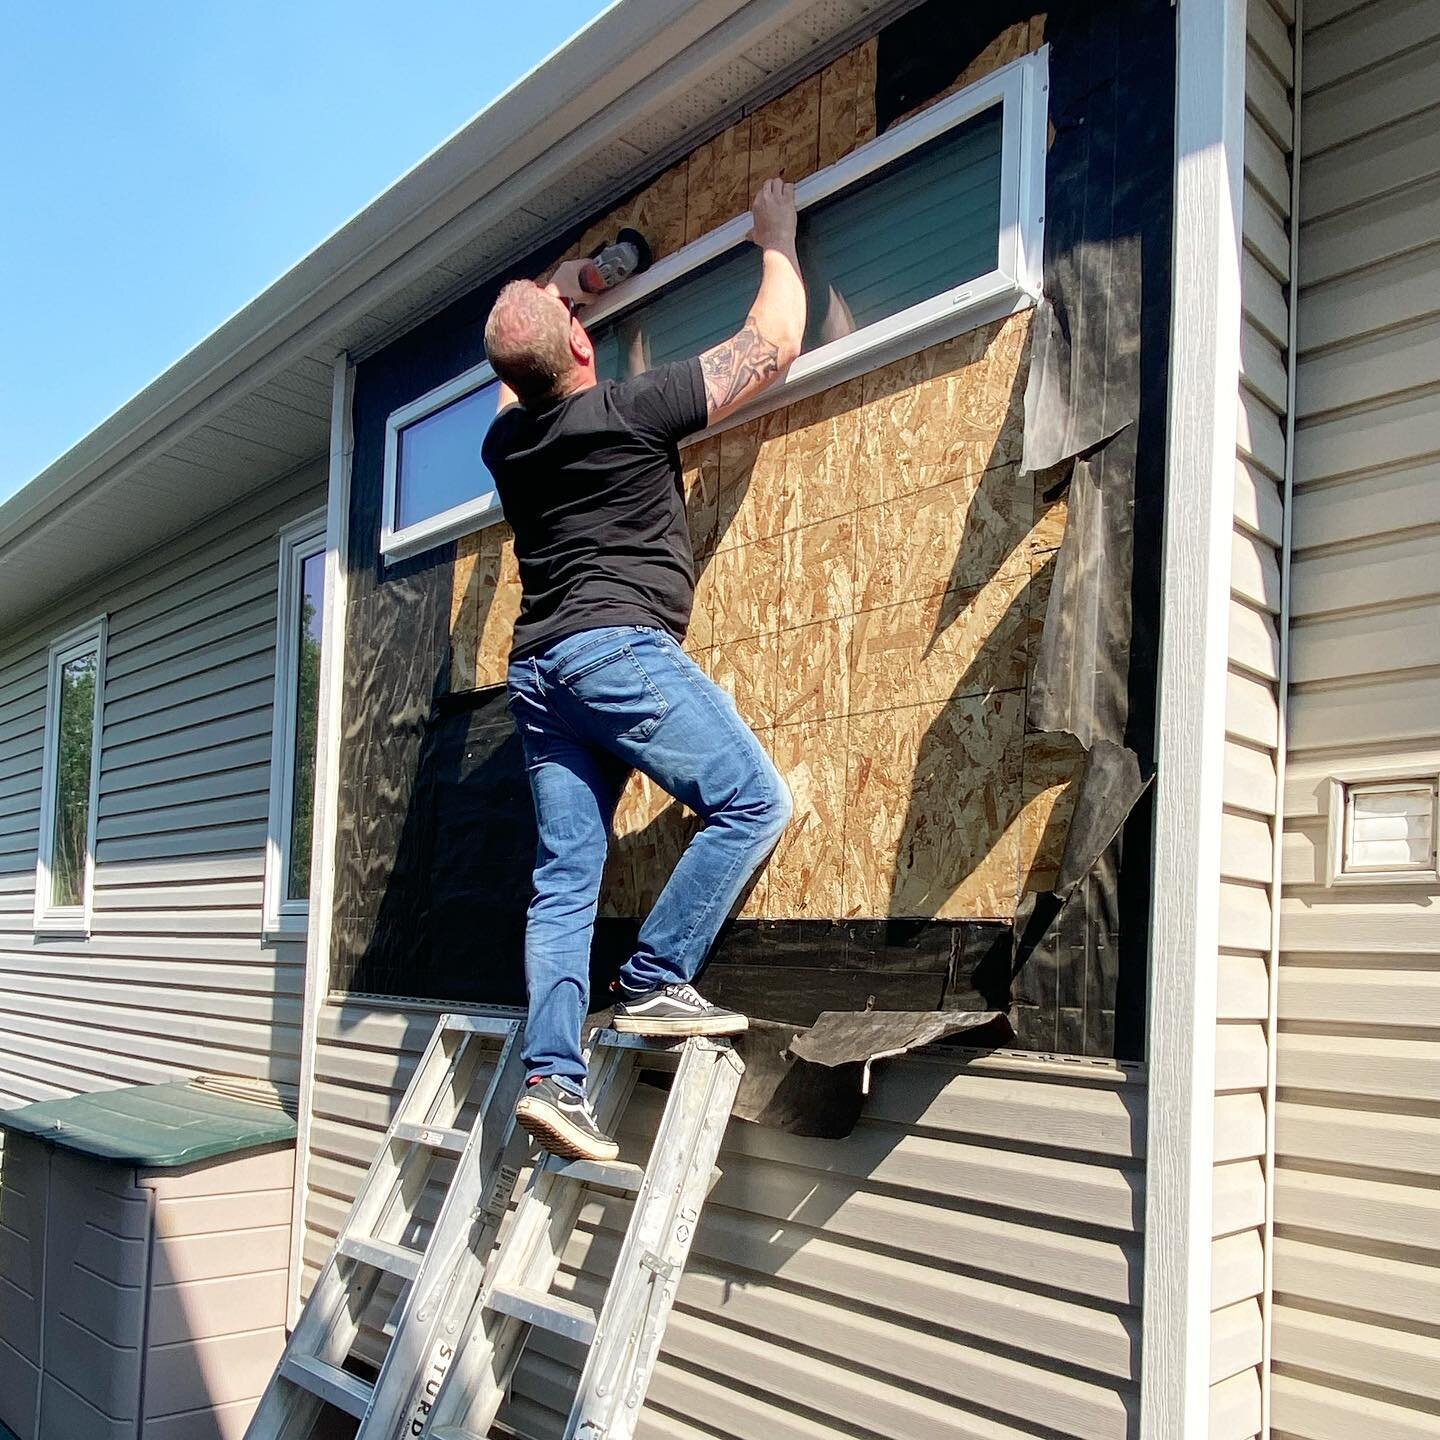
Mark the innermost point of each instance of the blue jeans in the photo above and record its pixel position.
(589, 709)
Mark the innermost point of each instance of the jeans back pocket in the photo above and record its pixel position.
(617, 693)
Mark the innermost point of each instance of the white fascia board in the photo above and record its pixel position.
(627, 62)
(1184, 946)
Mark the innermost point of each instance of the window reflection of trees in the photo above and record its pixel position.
(72, 791)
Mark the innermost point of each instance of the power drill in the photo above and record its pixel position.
(609, 265)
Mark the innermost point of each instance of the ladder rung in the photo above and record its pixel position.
(396, 1260)
(454, 1432)
(478, 1024)
(437, 1137)
(335, 1386)
(548, 1312)
(614, 1173)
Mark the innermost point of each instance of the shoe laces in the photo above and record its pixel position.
(688, 993)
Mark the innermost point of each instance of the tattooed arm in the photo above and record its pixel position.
(741, 367)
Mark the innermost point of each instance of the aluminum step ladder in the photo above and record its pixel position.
(624, 1337)
(459, 1073)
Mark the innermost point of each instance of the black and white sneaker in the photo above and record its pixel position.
(563, 1123)
(675, 1010)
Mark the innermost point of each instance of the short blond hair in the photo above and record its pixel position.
(527, 341)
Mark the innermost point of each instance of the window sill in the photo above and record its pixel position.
(986, 299)
(61, 930)
(450, 525)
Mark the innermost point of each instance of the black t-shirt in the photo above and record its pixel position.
(592, 488)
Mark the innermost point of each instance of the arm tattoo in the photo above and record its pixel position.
(731, 367)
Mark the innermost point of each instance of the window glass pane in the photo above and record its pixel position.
(439, 465)
(307, 708)
(74, 754)
(925, 223)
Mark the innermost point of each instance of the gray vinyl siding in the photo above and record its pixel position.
(966, 1264)
(1357, 1128)
(1252, 742)
(175, 977)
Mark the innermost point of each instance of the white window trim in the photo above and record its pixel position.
(1339, 784)
(1014, 284)
(299, 542)
(68, 920)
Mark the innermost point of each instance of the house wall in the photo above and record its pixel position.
(175, 978)
(1251, 799)
(966, 1264)
(1356, 1340)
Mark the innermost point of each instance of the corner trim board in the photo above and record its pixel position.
(326, 811)
(1203, 406)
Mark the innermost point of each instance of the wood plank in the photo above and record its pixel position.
(1259, 438)
(1379, 714)
(1244, 987)
(1246, 849)
(1265, 301)
(1235, 1407)
(1249, 779)
(1401, 1290)
(1237, 1268)
(1241, 1056)
(1359, 372)
(1239, 1127)
(1361, 1065)
(1251, 711)
(1262, 368)
(1326, 1412)
(1238, 1197)
(1269, 35)
(1255, 572)
(1367, 1139)
(1369, 234)
(1368, 167)
(1265, 233)
(1373, 995)
(1368, 507)
(1235, 1340)
(1363, 38)
(1258, 508)
(1368, 1210)
(1346, 1349)
(1342, 647)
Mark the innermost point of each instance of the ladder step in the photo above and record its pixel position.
(559, 1316)
(397, 1260)
(437, 1137)
(335, 1386)
(614, 1173)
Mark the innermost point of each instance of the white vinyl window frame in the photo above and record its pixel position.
(68, 920)
(299, 542)
(1020, 89)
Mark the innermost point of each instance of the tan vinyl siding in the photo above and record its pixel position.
(1252, 723)
(967, 1263)
(1357, 1126)
(175, 977)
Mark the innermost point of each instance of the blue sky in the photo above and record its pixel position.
(162, 161)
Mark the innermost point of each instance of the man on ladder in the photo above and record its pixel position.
(589, 475)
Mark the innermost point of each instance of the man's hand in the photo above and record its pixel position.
(566, 282)
(763, 350)
(773, 214)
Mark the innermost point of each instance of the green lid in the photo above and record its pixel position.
(152, 1125)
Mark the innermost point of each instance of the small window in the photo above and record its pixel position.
(932, 228)
(64, 874)
(1383, 831)
(434, 477)
(301, 610)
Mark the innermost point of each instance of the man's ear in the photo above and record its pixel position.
(580, 346)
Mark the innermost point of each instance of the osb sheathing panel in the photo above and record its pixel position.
(872, 572)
